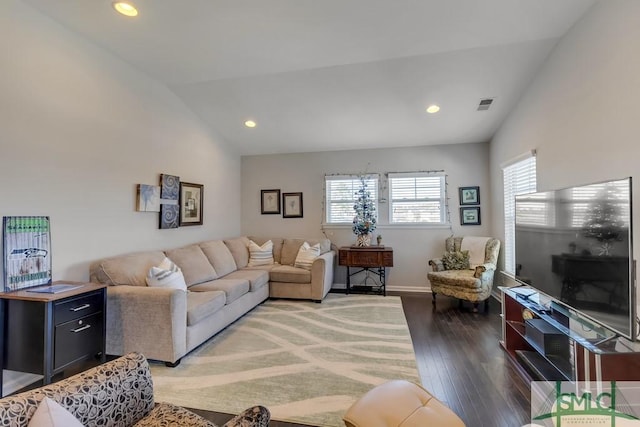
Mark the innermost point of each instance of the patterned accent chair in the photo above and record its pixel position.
(118, 393)
(473, 283)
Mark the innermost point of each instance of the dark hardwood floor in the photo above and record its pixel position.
(460, 362)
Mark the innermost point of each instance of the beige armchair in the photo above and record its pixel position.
(472, 282)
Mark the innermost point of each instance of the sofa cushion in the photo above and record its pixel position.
(306, 255)
(239, 248)
(51, 414)
(128, 269)
(166, 275)
(257, 278)
(260, 254)
(233, 288)
(277, 245)
(194, 264)
(202, 304)
(456, 260)
(219, 256)
(289, 274)
(290, 248)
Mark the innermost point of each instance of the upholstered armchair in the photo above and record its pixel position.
(466, 270)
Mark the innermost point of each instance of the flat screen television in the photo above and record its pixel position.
(575, 245)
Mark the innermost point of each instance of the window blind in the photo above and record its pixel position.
(417, 197)
(518, 178)
(340, 196)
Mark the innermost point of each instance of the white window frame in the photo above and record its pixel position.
(373, 187)
(395, 200)
(518, 177)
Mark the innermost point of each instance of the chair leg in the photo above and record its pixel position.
(433, 296)
(460, 304)
(475, 307)
(486, 305)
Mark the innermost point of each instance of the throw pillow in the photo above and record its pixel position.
(456, 260)
(166, 275)
(306, 255)
(50, 414)
(260, 255)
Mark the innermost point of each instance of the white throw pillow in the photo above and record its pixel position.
(260, 255)
(166, 275)
(51, 414)
(306, 255)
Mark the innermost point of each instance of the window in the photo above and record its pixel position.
(519, 177)
(340, 196)
(417, 198)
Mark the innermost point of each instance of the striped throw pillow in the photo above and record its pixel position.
(306, 255)
(166, 275)
(260, 255)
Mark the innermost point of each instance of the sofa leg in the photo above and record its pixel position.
(172, 365)
(433, 296)
(486, 305)
(475, 307)
(317, 301)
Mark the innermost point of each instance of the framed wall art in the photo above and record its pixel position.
(292, 205)
(469, 195)
(470, 215)
(27, 251)
(270, 202)
(191, 204)
(169, 194)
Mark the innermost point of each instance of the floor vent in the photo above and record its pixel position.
(485, 104)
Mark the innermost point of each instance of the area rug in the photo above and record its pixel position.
(306, 362)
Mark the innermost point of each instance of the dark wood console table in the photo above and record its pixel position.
(44, 334)
(373, 259)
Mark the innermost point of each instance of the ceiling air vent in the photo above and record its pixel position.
(485, 104)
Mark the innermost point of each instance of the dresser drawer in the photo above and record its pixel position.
(77, 339)
(74, 308)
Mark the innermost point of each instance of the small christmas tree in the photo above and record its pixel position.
(603, 221)
(364, 221)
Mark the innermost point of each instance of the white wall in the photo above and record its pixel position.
(79, 129)
(465, 165)
(581, 112)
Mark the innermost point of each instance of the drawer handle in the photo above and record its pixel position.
(75, 331)
(82, 307)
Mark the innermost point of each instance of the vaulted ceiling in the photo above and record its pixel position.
(321, 75)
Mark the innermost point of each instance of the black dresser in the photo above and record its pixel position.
(46, 334)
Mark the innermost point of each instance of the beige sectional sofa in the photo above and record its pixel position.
(165, 324)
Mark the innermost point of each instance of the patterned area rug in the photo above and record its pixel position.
(306, 362)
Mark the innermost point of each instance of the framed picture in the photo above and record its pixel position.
(169, 196)
(469, 195)
(292, 205)
(470, 216)
(190, 204)
(270, 202)
(27, 252)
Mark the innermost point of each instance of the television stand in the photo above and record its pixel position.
(558, 344)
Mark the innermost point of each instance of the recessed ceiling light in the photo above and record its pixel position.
(126, 8)
(433, 109)
(250, 124)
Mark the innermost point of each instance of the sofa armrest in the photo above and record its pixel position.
(258, 416)
(120, 390)
(322, 275)
(152, 321)
(436, 264)
(487, 266)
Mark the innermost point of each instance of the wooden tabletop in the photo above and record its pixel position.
(25, 295)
